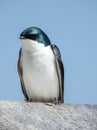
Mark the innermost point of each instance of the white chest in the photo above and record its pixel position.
(39, 74)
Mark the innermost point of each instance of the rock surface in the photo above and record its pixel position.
(39, 116)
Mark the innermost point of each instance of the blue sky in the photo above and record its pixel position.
(71, 25)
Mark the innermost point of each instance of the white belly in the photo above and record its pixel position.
(40, 75)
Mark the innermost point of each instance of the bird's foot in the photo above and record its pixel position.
(56, 102)
(28, 100)
(49, 104)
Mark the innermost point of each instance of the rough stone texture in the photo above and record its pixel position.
(38, 116)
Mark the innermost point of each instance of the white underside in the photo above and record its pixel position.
(39, 71)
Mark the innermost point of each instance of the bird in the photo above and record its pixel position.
(40, 68)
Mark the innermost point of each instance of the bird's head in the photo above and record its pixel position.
(35, 34)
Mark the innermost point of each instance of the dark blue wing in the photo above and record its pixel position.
(21, 75)
(60, 71)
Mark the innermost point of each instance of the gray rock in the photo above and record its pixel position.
(39, 116)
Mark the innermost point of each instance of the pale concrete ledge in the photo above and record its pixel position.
(38, 116)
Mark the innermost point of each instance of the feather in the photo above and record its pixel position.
(60, 71)
(20, 72)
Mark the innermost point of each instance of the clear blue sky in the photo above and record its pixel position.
(71, 25)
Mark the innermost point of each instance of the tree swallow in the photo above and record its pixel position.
(40, 68)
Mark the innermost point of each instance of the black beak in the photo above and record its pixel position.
(22, 37)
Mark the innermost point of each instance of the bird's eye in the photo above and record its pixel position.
(30, 36)
(34, 36)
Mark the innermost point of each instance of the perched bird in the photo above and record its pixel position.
(40, 68)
